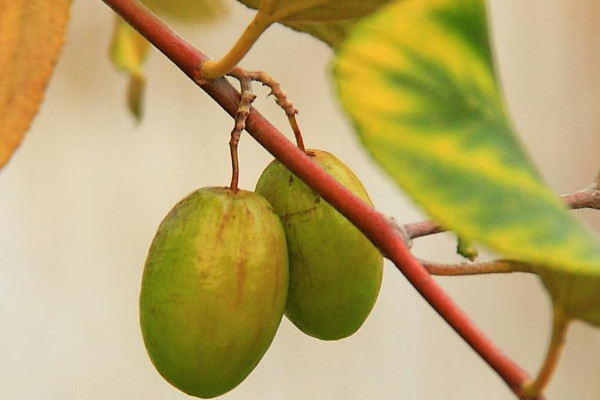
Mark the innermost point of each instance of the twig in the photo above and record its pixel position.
(586, 198)
(373, 224)
(423, 228)
(479, 268)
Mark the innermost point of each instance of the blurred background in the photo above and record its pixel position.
(84, 194)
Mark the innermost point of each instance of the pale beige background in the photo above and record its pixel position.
(81, 200)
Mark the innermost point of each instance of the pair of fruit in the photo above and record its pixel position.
(217, 279)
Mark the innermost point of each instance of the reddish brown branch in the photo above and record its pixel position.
(478, 268)
(377, 227)
(423, 228)
(586, 198)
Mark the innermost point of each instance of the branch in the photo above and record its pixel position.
(486, 267)
(377, 227)
(423, 228)
(586, 198)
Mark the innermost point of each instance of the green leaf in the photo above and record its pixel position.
(313, 10)
(302, 14)
(188, 10)
(577, 296)
(128, 52)
(333, 33)
(417, 79)
(327, 20)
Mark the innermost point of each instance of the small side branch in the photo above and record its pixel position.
(480, 268)
(423, 228)
(586, 198)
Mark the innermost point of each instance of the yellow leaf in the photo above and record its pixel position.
(332, 32)
(128, 52)
(31, 35)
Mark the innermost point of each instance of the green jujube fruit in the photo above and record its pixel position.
(335, 271)
(213, 290)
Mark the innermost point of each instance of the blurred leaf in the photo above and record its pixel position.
(418, 80)
(313, 10)
(31, 35)
(332, 33)
(578, 296)
(188, 10)
(329, 22)
(128, 52)
(129, 49)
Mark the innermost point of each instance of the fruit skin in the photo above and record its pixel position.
(213, 290)
(335, 271)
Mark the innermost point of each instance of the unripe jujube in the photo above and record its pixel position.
(213, 290)
(335, 271)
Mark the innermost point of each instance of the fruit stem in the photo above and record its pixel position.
(247, 97)
(282, 101)
(235, 167)
(212, 69)
(533, 389)
(297, 132)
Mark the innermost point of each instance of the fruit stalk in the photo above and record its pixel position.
(376, 226)
(247, 98)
